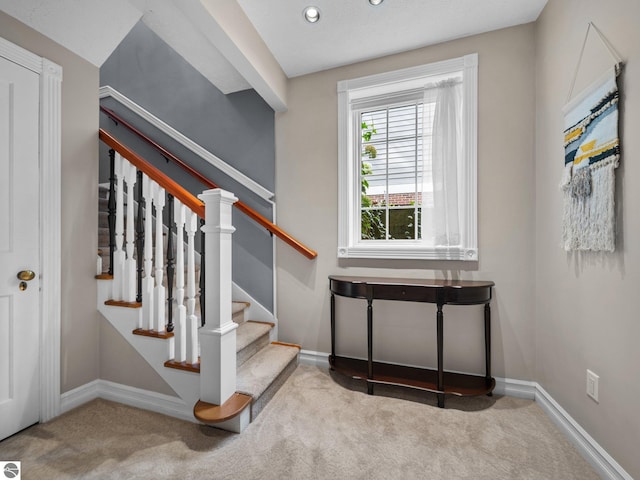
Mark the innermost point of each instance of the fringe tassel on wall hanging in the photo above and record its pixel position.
(592, 153)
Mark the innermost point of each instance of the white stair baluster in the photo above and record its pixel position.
(148, 190)
(180, 333)
(192, 320)
(118, 254)
(129, 285)
(159, 291)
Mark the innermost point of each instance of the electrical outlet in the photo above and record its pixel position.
(592, 385)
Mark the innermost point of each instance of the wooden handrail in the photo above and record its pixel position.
(163, 151)
(244, 208)
(170, 185)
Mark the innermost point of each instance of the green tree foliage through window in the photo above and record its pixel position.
(372, 223)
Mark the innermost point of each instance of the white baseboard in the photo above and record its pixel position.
(79, 396)
(316, 359)
(591, 450)
(134, 397)
(602, 462)
(515, 388)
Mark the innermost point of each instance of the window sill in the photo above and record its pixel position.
(408, 252)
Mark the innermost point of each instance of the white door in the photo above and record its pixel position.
(19, 248)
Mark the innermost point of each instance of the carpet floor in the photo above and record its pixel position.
(317, 426)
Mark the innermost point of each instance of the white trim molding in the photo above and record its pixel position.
(600, 460)
(604, 464)
(134, 397)
(315, 359)
(515, 388)
(50, 246)
(50, 237)
(216, 162)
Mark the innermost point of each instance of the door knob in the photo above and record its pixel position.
(26, 275)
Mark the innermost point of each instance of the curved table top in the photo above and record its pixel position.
(440, 291)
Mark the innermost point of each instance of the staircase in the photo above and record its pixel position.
(261, 364)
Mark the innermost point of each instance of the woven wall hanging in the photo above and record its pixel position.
(592, 153)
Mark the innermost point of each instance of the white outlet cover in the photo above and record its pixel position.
(592, 385)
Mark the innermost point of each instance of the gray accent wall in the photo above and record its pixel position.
(238, 128)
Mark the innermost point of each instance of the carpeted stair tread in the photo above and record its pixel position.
(257, 373)
(249, 332)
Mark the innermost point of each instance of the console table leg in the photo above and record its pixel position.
(370, 344)
(440, 326)
(333, 327)
(487, 343)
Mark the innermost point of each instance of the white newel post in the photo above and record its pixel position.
(218, 335)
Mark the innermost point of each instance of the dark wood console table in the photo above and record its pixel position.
(439, 292)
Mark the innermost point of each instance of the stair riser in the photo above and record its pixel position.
(239, 317)
(258, 404)
(247, 352)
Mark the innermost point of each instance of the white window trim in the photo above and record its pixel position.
(349, 243)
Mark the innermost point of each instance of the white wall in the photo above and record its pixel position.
(585, 310)
(306, 193)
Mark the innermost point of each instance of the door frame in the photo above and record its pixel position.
(50, 130)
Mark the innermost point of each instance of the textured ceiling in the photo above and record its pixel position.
(91, 29)
(348, 31)
(352, 30)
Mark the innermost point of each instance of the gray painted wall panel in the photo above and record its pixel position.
(238, 128)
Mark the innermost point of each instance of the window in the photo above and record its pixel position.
(407, 163)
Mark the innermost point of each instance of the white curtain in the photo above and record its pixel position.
(443, 149)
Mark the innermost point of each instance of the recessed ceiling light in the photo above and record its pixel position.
(311, 14)
(375, 2)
